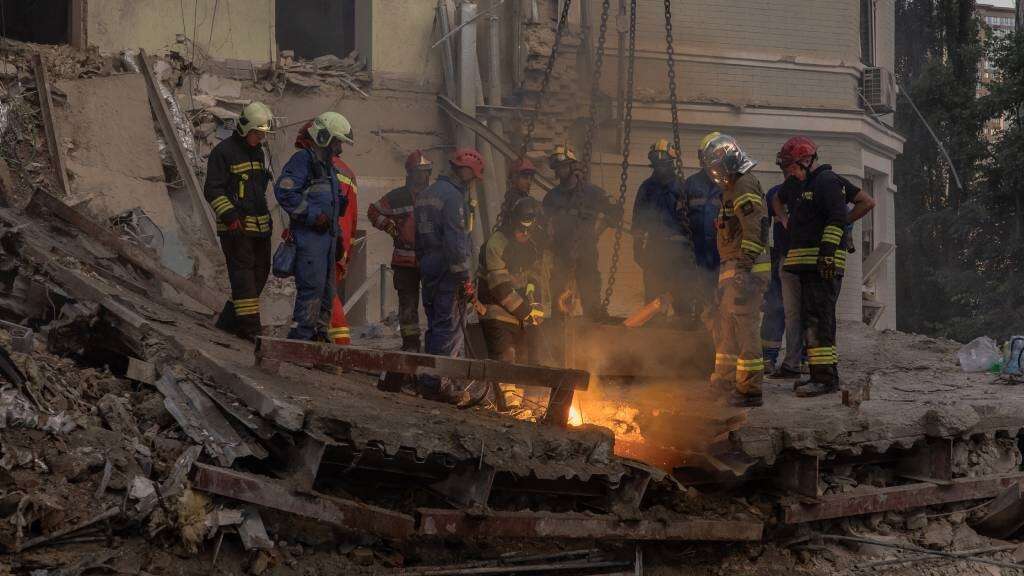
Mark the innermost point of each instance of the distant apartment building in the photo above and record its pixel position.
(998, 20)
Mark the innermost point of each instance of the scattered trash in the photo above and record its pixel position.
(979, 355)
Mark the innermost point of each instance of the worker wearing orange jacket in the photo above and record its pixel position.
(339, 328)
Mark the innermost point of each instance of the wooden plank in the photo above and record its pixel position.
(873, 264)
(898, 498)
(135, 255)
(53, 141)
(206, 223)
(261, 491)
(323, 354)
(582, 526)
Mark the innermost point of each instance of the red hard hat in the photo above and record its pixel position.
(418, 161)
(523, 165)
(796, 149)
(469, 158)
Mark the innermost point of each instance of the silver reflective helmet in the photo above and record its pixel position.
(723, 158)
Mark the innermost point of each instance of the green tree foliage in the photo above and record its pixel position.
(937, 54)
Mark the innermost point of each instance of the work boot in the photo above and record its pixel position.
(784, 373)
(811, 389)
(738, 400)
(410, 343)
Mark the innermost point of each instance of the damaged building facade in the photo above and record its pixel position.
(749, 70)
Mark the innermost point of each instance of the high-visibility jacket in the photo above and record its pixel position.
(397, 206)
(816, 221)
(236, 186)
(743, 223)
(510, 276)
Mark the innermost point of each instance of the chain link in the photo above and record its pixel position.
(595, 91)
(531, 120)
(670, 53)
(624, 175)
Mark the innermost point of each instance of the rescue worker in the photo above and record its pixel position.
(661, 238)
(577, 214)
(520, 179)
(743, 277)
(236, 188)
(339, 331)
(773, 324)
(704, 202)
(509, 274)
(308, 190)
(394, 214)
(443, 249)
(812, 206)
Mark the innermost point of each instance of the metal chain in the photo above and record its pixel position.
(670, 53)
(583, 177)
(531, 120)
(626, 131)
(595, 91)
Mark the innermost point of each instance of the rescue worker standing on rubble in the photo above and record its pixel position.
(394, 214)
(339, 331)
(817, 218)
(443, 249)
(704, 201)
(508, 279)
(236, 188)
(661, 238)
(743, 277)
(308, 190)
(577, 214)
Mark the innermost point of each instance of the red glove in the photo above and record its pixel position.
(468, 291)
(322, 223)
(235, 227)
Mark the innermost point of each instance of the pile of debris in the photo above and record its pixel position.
(349, 73)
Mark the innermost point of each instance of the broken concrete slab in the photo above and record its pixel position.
(218, 86)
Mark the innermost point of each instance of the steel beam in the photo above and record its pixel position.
(261, 491)
(931, 461)
(323, 354)
(582, 526)
(899, 498)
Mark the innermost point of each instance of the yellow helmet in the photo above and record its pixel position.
(328, 126)
(561, 154)
(662, 151)
(255, 116)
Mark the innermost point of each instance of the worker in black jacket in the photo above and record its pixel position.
(236, 184)
(817, 200)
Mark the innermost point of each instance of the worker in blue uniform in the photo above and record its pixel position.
(661, 237)
(308, 192)
(703, 204)
(444, 249)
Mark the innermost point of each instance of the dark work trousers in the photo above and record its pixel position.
(818, 317)
(407, 283)
(588, 281)
(505, 341)
(773, 323)
(248, 262)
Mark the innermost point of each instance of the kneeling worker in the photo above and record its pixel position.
(509, 274)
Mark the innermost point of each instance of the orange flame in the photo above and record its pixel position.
(575, 416)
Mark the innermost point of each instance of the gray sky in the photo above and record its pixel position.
(1003, 3)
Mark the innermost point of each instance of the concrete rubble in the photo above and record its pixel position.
(135, 438)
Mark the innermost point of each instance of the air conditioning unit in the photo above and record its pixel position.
(879, 88)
